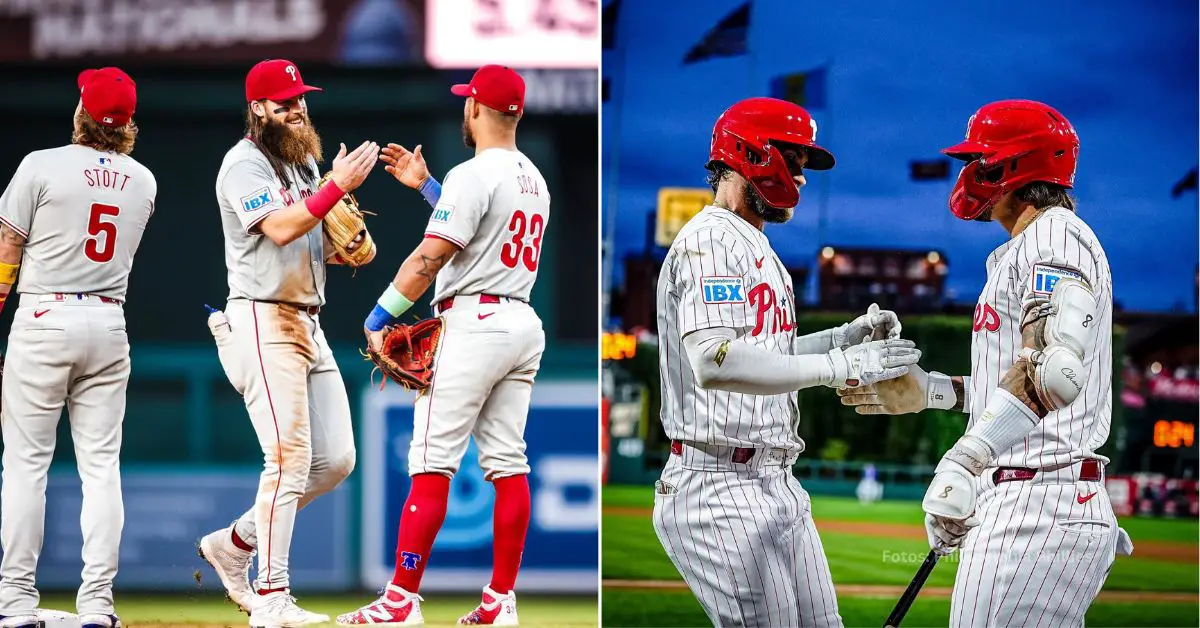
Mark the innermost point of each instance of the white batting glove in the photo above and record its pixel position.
(876, 324)
(946, 535)
(872, 361)
(952, 493)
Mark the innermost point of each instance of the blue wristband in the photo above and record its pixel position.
(378, 319)
(431, 190)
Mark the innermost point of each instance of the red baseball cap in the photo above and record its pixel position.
(109, 96)
(496, 87)
(275, 79)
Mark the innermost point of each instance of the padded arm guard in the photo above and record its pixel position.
(1059, 330)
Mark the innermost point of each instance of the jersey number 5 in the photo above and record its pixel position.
(97, 249)
(516, 250)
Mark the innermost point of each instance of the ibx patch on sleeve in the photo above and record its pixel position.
(442, 213)
(1044, 277)
(257, 200)
(722, 290)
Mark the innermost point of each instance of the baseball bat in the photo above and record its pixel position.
(910, 594)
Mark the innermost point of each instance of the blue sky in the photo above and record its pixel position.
(903, 79)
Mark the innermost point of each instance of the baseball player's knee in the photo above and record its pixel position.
(328, 472)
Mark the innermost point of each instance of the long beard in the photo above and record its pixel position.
(769, 214)
(294, 145)
(468, 137)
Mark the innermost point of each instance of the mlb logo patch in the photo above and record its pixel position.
(442, 213)
(257, 200)
(106, 161)
(722, 290)
(1044, 278)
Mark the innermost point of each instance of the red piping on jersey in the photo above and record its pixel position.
(278, 446)
(429, 408)
(24, 233)
(441, 236)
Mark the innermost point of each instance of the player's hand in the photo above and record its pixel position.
(350, 170)
(375, 338)
(901, 395)
(946, 535)
(876, 324)
(407, 166)
(872, 361)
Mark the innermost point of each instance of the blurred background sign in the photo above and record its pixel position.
(521, 33)
(213, 31)
(676, 206)
(560, 551)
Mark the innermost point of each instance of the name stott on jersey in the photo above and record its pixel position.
(260, 270)
(721, 272)
(83, 213)
(495, 207)
(1058, 244)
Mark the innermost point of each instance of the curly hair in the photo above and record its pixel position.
(1043, 195)
(88, 132)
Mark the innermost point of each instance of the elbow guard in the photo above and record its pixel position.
(1059, 374)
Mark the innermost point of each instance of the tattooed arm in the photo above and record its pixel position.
(913, 392)
(12, 247)
(419, 271)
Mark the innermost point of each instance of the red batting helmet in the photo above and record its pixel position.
(742, 140)
(1011, 143)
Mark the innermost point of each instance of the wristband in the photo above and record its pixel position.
(939, 392)
(431, 190)
(1004, 422)
(378, 319)
(390, 306)
(8, 273)
(322, 202)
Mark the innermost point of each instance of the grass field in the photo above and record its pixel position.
(210, 610)
(1157, 587)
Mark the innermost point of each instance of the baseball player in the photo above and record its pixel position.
(73, 216)
(1022, 491)
(269, 339)
(482, 246)
(728, 511)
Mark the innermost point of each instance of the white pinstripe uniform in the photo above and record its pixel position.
(1044, 545)
(728, 511)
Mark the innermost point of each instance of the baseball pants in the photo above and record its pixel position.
(1039, 555)
(70, 349)
(277, 358)
(742, 537)
(483, 375)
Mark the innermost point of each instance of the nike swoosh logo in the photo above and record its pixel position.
(39, 314)
(1083, 499)
(483, 316)
(758, 262)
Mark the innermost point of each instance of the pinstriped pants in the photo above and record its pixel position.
(745, 543)
(1038, 557)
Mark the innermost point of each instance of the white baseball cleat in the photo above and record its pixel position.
(50, 618)
(395, 607)
(97, 621)
(495, 610)
(279, 610)
(232, 565)
(20, 621)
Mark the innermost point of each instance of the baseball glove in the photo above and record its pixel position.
(347, 230)
(407, 353)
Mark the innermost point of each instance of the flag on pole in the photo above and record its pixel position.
(726, 39)
(806, 89)
(1188, 182)
(608, 25)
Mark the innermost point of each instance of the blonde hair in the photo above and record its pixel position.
(88, 132)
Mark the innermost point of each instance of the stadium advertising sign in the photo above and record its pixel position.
(199, 30)
(518, 33)
(560, 551)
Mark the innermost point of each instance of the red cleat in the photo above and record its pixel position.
(396, 607)
(496, 610)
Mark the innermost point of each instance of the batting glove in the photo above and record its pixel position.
(876, 324)
(872, 361)
(946, 535)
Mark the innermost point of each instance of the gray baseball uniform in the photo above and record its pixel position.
(275, 354)
(730, 514)
(1045, 543)
(83, 213)
(495, 207)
